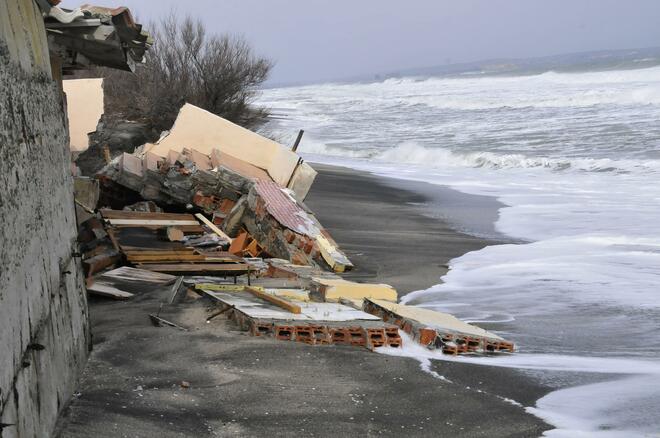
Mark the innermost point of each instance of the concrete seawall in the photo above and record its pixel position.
(44, 333)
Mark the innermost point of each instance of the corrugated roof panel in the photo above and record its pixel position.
(285, 210)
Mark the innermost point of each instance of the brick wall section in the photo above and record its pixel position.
(44, 332)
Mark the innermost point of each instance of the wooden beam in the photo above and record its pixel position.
(280, 302)
(225, 287)
(165, 258)
(151, 222)
(181, 268)
(148, 252)
(212, 226)
(125, 214)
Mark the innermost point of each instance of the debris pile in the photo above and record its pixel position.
(217, 212)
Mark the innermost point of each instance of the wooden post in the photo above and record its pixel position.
(295, 145)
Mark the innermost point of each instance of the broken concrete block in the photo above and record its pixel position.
(223, 159)
(333, 290)
(336, 259)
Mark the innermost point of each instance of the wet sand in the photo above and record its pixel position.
(388, 229)
(245, 386)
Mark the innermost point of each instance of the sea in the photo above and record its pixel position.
(574, 160)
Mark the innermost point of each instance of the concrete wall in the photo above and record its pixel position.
(22, 30)
(84, 99)
(44, 333)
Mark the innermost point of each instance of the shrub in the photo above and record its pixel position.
(219, 73)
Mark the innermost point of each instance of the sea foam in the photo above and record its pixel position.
(574, 158)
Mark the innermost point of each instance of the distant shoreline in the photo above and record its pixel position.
(579, 62)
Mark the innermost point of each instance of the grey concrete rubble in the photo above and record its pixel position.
(246, 207)
(283, 261)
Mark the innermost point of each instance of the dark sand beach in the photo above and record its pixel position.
(245, 386)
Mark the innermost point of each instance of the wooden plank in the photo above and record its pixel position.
(212, 226)
(166, 258)
(187, 229)
(223, 260)
(219, 254)
(106, 290)
(225, 287)
(138, 275)
(280, 302)
(146, 252)
(126, 214)
(150, 222)
(183, 268)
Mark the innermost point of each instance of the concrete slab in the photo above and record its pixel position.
(256, 308)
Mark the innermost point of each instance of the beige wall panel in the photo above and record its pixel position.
(198, 129)
(84, 109)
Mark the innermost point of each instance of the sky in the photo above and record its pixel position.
(318, 40)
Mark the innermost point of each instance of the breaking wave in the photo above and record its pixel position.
(435, 157)
(574, 159)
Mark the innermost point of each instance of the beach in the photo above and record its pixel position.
(238, 385)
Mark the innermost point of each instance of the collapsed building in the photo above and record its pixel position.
(221, 210)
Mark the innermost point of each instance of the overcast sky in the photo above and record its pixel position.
(315, 40)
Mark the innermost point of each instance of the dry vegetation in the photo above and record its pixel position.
(219, 73)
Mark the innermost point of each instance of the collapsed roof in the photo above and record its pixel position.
(95, 35)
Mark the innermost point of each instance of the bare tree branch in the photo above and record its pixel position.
(219, 73)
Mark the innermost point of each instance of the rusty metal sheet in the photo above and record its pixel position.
(285, 209)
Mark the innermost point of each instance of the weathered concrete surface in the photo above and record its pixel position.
(24, 36)
(119, 136)
(43, 309)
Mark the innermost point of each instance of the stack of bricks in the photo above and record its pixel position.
(363, 334)
(450, 342)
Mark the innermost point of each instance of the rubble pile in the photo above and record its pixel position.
(189, 214)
